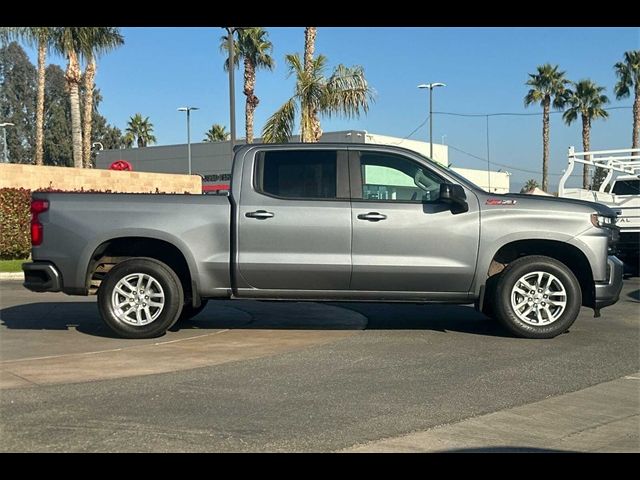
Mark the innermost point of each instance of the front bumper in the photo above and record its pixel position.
(41, 277)
(608, 292)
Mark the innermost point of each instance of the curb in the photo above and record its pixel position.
(11, 275)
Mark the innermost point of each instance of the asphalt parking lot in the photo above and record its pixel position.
(270, 376)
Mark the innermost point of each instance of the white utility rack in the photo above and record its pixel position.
(622, 161)
(622, 196)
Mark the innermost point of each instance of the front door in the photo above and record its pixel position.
(294, 222)
(404, 239)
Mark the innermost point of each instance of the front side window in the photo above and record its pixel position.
(388, 177)
(302, 174)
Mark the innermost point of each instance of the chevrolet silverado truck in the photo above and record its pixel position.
(328, 222)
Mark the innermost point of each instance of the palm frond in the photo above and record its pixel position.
(224, 48)
(279, 126)
(585, 98)
(533, 96)
(294, 64)
(547, 83)
(347, 92)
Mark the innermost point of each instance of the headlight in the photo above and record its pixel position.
(601, 221)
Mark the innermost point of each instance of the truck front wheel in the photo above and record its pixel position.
(537, 297)
(140, 298)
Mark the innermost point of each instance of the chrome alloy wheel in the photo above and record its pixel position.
(538, 298)
(137, 299)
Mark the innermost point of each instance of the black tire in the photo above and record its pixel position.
(172, 290)
(189, 312)
(505, 312)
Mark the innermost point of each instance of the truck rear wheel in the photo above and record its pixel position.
(140, 298)
(537, 297)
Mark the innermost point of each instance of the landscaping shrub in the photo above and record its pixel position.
(15, 219)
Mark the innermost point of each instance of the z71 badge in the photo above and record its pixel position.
(498, 201)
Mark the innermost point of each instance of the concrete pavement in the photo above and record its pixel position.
(602, 418)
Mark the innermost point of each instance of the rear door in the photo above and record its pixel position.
(294, 223)
(404, 238)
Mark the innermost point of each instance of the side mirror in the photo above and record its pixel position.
(454, 195)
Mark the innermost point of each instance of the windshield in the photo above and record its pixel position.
(627, 187)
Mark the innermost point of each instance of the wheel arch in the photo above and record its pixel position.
(171, 251)
(567, 254)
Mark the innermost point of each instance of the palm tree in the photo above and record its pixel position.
(254, 48)
(309, 49)
(529, 185)
(587, 100)
(628, 73)
(345, 93)
(42, 39)
(217, 133)
(141, 130)
(75, 44)
(548, 85)
(101, 40)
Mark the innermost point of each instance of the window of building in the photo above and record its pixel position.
(298, 174)
(388, 177)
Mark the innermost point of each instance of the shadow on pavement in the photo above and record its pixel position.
(501, 449)
(635, 295)
(247, 314)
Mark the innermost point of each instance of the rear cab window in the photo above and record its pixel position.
(299, 174)
(627, 187)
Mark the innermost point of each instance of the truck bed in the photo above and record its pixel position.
(78, 226)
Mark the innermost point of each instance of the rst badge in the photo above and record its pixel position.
(500, 201)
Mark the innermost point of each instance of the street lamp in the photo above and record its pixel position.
(431, 86)
(188, 110)
(5, 148)
(232, 93)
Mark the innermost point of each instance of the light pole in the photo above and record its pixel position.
(232, 93)
(5, 148)
(431, 86)
(188, 110)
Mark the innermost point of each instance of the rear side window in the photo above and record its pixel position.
(627, 187)
(298, 174)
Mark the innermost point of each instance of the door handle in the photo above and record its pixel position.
(260, 214)
(372, 216)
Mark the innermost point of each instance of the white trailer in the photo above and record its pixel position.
(620, 191)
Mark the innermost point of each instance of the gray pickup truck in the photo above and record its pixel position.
(328, 222)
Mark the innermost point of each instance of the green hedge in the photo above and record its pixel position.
(15, 220)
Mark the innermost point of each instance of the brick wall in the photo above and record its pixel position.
(33, 177)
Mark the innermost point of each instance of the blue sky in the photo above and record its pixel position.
(160, 69)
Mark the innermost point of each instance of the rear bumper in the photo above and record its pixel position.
(608, 292)
(41, 277)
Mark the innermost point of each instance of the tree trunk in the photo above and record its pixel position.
(73, 77)
(545, 143)
(42, 58)
(252, 101)
(313, 132)
(316, 130)
(89, 83)
(636, 118)
(586, 130)
(309, 46)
